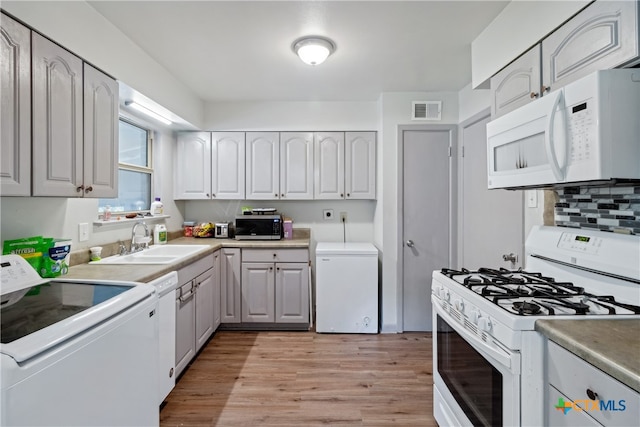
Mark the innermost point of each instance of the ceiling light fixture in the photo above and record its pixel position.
(148, 112)
(313, 50)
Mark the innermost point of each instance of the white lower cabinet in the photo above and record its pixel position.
(230, 285)
(195, 312)
(275, 286)
(595, 398)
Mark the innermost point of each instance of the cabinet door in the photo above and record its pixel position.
(230, 285)
(228, 163)
(100, 134)
(263, 165)
(57, 120)
(604, 35)
(15, 125)
(258, 287)
(292, 293)
(296, 165)
(192, 167)
(216, 290)
(360, 165)
(329, 165)
(204, 308)
(185, 326)
(517, 84)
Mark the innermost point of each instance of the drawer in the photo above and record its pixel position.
(557, 418)
(275, 255)
(194, 269)
(573, 376)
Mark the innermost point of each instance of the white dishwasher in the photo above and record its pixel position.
(346, 288)
(76, 353)
(166, 290)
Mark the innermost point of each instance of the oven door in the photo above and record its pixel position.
(475, 383)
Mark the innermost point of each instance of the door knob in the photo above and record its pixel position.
(510, 257)
(409, 243)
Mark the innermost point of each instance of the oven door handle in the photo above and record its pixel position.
(499, 355)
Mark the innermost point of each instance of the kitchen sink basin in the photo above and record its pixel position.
(160, 254)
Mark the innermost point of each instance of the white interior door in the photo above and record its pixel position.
(491, 220)
(426, 189)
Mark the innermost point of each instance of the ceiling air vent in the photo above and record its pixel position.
(426, 110)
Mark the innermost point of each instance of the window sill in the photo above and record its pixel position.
(125, 221)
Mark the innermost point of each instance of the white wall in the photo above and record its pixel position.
(396, 110)
(472, 101)
(81, 29)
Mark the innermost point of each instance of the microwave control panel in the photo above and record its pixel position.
(581, 134)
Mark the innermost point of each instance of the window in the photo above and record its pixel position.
(135, 173)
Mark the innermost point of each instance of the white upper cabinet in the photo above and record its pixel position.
(15, 124)
(193, 166)
(263, 165)
(604, 35)
(296, 165)
(57, 120)
(516, 85)
(329, 165)
(228, 165)
(100, 134)
(75, 125)
(360, 165)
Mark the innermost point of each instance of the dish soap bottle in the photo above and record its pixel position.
(157, 207)
(160, 234)
(106, 216)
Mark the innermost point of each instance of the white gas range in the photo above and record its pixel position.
(488, 358)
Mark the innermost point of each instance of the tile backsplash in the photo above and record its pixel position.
(601, 208)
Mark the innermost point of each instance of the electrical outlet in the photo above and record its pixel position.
(83, 232)
(343, 216)
(327, 214)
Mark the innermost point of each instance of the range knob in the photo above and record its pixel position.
(459, 304)
(447, 295)
(484, 323)
(474, 316)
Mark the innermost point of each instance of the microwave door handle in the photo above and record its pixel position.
(550, 146)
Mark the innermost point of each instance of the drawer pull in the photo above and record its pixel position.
(592, 394)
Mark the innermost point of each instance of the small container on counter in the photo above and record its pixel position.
(288, 228)
(188, 228)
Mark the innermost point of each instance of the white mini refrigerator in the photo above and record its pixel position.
(346, 288)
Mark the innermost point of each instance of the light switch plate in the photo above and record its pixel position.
(532, 198)
(83, 231)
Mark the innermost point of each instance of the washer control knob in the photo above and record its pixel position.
(484, 323)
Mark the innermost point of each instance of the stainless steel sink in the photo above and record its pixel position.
(160, 254)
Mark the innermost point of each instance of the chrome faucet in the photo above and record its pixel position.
(135, 246)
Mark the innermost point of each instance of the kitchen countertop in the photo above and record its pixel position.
(613, 346)
(148, 272)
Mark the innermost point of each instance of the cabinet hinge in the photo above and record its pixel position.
(449, 151)
(462, 151)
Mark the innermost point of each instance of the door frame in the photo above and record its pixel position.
(460, 213)
(453, 201)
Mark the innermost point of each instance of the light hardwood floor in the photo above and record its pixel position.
(305, 379)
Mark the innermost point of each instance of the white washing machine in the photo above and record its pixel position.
(346, 288)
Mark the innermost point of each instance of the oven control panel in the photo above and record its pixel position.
(580, 243)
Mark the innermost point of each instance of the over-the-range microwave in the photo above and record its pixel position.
(586, 133)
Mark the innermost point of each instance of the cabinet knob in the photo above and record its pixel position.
(277, 268)
(88, 189)
(282, 195)
(270, 268)
(341, 194)
(533, 95)
(348, 194)
(544, 88)
(213, 195)
(592, 394)
(79, 189)
(276, 194)
(207, 194)
(274, 255)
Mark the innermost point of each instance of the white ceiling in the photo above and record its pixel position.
(241, 50)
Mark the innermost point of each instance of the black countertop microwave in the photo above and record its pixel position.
(259, 227)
